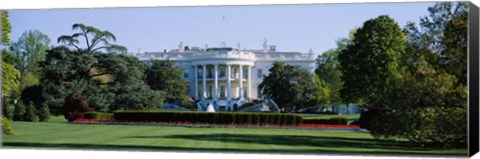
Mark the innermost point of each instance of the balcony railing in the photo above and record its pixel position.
(231, 54)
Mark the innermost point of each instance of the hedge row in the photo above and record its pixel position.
(98, 116)
(209, 118)
(334, 121)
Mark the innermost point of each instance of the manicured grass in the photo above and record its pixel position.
(64, 135)
(326, 116)
(57, 119)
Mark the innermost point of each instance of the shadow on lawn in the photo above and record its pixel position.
(296, 140)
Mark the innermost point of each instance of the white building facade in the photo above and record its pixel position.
(227, 76)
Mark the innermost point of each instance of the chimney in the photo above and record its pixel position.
(265, 45)
(273, 48)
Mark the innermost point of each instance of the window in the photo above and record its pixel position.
(222, 73)
(185, 74)
(259, 73)
(210, 72)
(245, 74)
(210, 92)
(222, 91)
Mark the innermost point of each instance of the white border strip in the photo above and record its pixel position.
(49, 4)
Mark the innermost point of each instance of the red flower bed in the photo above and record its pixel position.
(311, 126)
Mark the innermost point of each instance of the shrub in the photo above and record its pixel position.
(332, 121)
(74, 107)
(366, 117)
(187, 103)
(6, 127)
(44, 113)
(426, 126)
(209, 118)
(7, 111)
(98, 116)
(31, 94)
(30, 113)
(19, 112)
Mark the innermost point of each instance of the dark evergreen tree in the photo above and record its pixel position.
(19, 112)
(30, 113)
(44, 113)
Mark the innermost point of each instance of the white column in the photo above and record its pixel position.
(229, 89)
(240, 82)
(215, 87)
(195, 84)
(249, 80)
(204, 94)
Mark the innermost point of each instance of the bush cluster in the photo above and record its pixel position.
(445, 127)
(210, 118)
(333, 121)
(28, 112)
(6, 127)
(366, 117)
(74, 107)
(98, 116)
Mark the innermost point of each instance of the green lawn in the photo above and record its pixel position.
(58, 134)
(351, 117)
(326, 116)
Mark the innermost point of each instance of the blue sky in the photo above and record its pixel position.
(289, 27)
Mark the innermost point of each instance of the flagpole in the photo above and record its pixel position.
(223, 42)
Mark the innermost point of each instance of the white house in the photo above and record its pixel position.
(224, 76)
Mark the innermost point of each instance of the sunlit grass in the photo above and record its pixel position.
(58, 134)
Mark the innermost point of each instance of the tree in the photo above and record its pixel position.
(370, 64)
(29, 50)
(6, 127)
(442, 38)
(291, 87)
(164, 76)
(19, 112)
(323, 93)
(426, 87)
(43, 113)
(30, 113)
(7, 57)
(10, 80)
(137, 96)
(329, 73)
(428, 101)
(106, 80)
(93, 39)
(6, 29)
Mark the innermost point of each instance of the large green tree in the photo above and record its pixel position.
(328, 73)
(65, 71)
(442, 38)
(107, 80)
(7, 56)
(370, 63)
(10, 80)
(291, 87)
(29, 50)
(94, 38)
(428, 103)
(165, 76)
(6, 29)
(10, 84)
